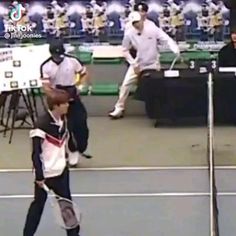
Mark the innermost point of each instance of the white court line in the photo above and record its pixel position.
(131, 168)
(125, 195)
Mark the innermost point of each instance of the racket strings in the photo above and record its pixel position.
(66, 213)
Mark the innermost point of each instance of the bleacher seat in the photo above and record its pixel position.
(167, 57)
(198, 55)
(107, 60)
(98, 89)
(85, 57)
(105, 89)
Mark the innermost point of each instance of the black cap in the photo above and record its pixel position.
(57, 47)
(142, 6)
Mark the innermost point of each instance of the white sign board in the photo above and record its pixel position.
(20, 67)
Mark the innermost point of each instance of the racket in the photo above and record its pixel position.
(66, 212)
(174, 62)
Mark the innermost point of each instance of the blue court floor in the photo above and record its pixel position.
(129, 202)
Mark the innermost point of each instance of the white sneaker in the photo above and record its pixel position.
(73, 158)
(116, 114)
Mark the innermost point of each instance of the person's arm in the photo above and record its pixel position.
(81, 72)
(45, 78)
(37, 136)
(126, 46)
(37, 163)
(164, 38)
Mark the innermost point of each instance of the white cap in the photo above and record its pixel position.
(134, 17)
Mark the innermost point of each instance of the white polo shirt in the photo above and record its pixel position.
(63, 73)
(146, 44)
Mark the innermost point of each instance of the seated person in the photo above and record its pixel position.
(227, 55)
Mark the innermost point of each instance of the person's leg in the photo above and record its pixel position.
(35, 211)
(129, 80)
(220, 34)
(73, 155)
(79, 131)
(61, 186)
(215, 35)
(181, 33)
(203, 35)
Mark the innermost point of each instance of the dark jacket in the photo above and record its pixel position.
(227, 56)
(49, 140)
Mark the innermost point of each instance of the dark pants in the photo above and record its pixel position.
(204, 35)
(61, 186)
(219, 35)
(89, 37)
(180, 33)
(77, 125)
(102, 35)
(50, 37)
(77, 121)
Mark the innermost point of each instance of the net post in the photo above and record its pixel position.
(214, 230)
(210, 151)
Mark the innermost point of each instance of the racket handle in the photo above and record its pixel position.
(45, 187)
(173, 63)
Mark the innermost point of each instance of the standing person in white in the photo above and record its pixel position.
(143, 36)
(59, 72)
